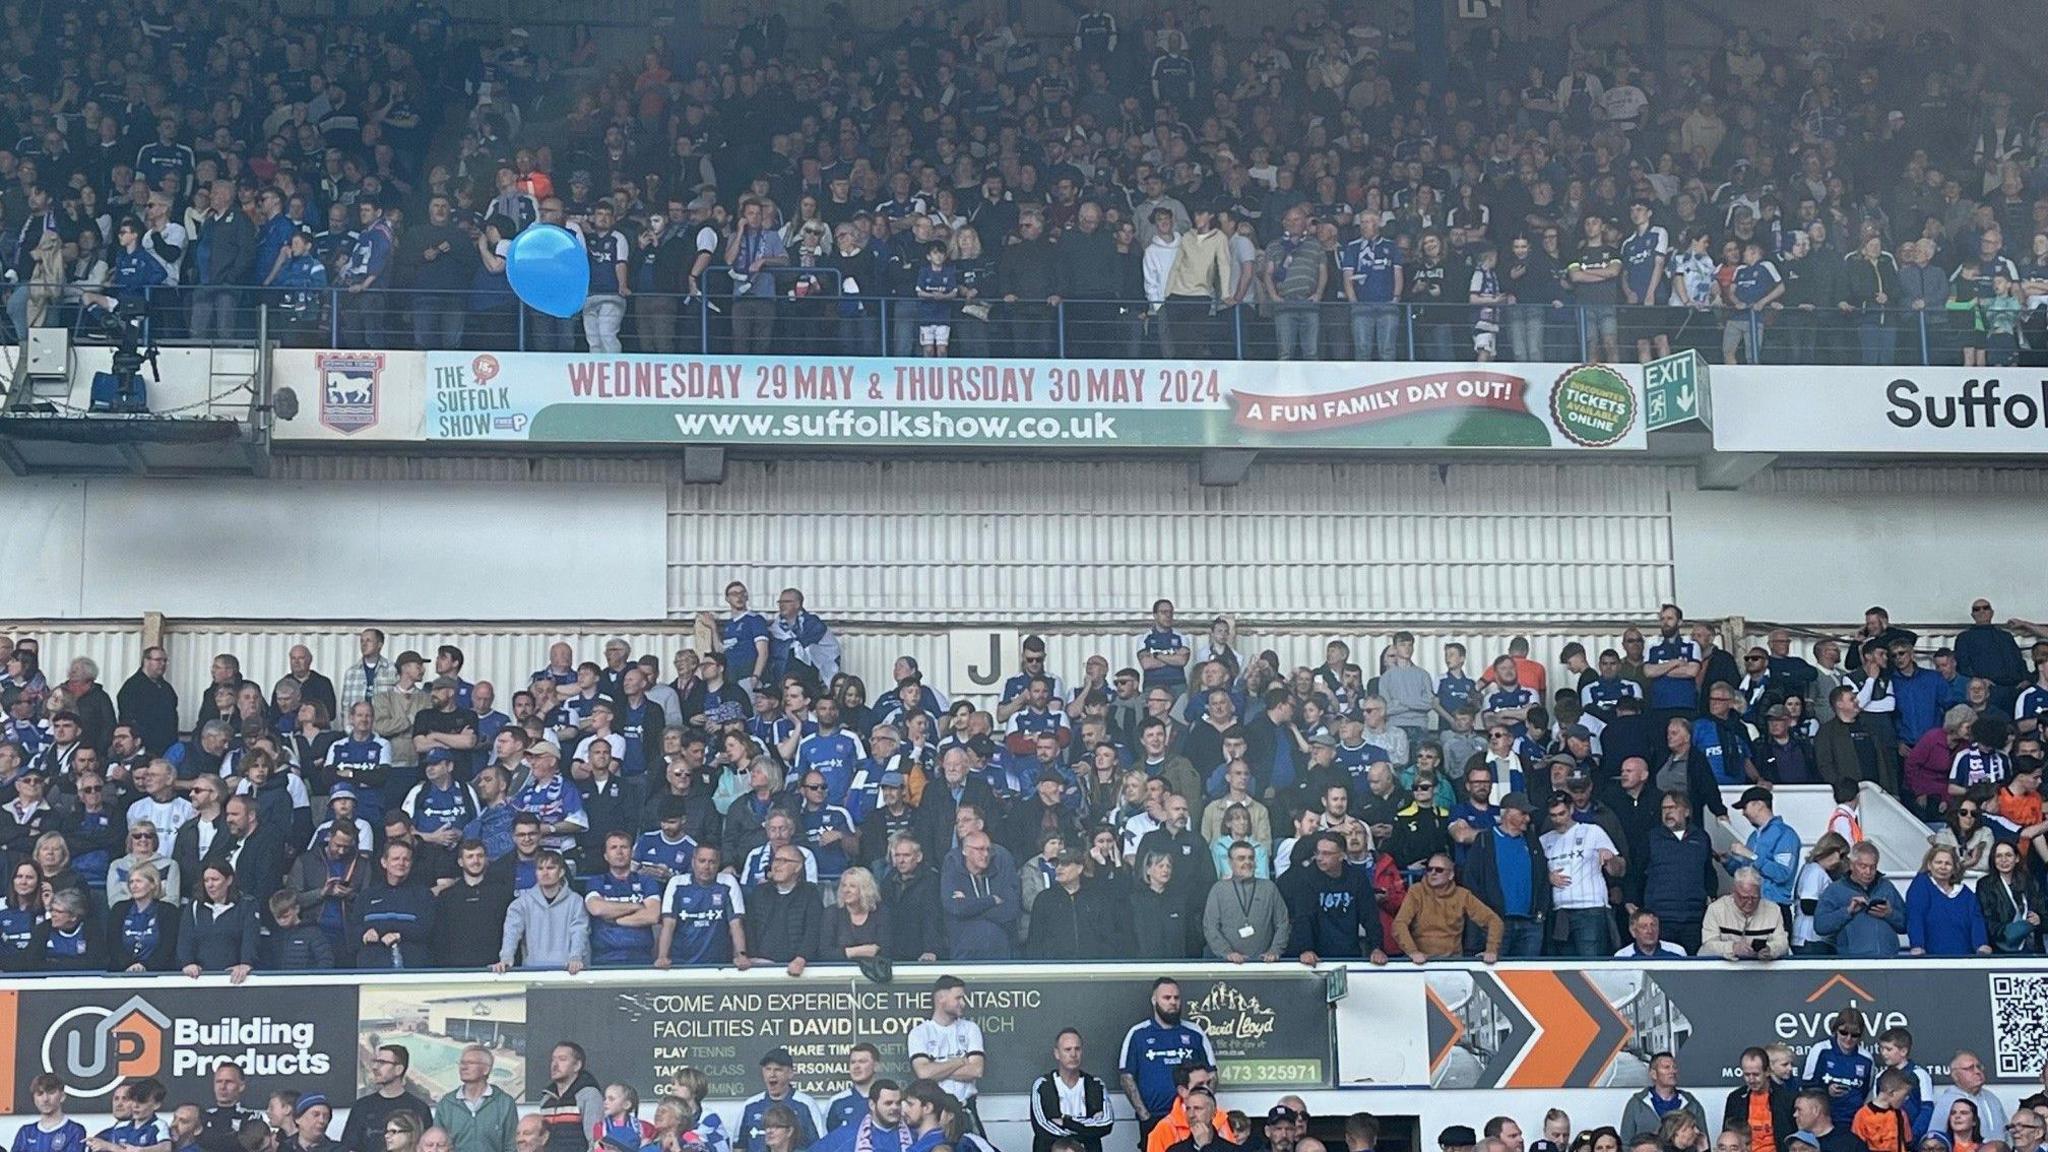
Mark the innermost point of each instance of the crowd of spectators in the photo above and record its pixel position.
(1150, 180)
(755, 804)
(1849, 1096)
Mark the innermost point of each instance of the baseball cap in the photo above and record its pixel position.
(779, 1056)
(1578, 777)
(1324, 739)
(1457, 1136)
(342, 790)
(1753, 794)
(1578, 730)
(409, 657)
(1281, 1113)
(1777, 712)
(892, 779)
(445, 682)
(545, 748)
(1804, 1137)
(1516, 802)
(436, 756)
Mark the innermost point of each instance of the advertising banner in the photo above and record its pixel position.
(820, 401)
(1269, 1031)
(1598, 1026)
(342, 397)
(96, 1038)
(1961, 411)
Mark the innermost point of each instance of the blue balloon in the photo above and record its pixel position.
(548, 270)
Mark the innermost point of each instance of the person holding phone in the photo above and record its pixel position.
(1862, 912)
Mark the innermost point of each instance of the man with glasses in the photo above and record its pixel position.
(1032, 661)
(785, 917)
(1437, 915)
(2025, 1131)
(368, 1117)
(1967, 1073)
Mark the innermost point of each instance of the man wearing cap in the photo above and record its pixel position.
(445, 724)
(1784, 756)
(1772, 848)
(778, 1072)
(1510, 873)
(1277, 1132)
(394, 709)
(1457, 1138)
(551, 798)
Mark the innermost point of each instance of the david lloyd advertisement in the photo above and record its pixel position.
(641, 399)
(1964, 411)
(1269, 1031)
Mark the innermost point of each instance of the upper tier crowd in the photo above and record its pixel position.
(1147, 181)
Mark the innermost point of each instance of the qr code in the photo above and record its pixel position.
(2019, 1024)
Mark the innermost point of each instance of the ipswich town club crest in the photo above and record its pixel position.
(348, 389)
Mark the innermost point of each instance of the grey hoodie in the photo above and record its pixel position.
(553, 932)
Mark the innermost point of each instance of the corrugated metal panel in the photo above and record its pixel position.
(1021, 542)
(115, 645)
(1921, 479)
(504, 656)
(400, 467)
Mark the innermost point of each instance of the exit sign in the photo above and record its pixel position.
(1675, 391)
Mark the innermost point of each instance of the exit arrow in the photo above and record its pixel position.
(1685, 398)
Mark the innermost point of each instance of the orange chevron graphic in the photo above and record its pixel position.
(1570, 1034)
(1845, 982)
(1457, 1026)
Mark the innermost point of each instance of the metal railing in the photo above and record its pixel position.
(807, 314)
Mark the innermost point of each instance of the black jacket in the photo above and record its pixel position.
(915, 927)
(1782, 1126)
(407, 910)
(783, 926)
(1332, 915)
(185, 850)
(1482, 873)
(1050, 1123)
(259, 868)
(1082, 926)
(1160, 926)
(152, 706)
(217, 942)
(469, 921)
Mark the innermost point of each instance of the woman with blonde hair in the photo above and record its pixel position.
(142, 929)
(1942, 916)
(857, 925)
(145, 849)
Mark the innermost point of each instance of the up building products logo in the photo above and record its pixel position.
(96, 1048)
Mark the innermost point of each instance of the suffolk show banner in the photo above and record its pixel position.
(855, 402)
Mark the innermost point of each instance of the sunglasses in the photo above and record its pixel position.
(1438, 871)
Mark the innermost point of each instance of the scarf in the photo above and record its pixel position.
(864, 1136)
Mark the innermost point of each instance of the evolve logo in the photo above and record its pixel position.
(96, 1048)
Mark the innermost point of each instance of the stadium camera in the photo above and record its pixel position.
(122, 390)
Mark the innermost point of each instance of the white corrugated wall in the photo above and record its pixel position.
(1063, 540)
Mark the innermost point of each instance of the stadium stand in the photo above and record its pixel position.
(1102, 182)
(1155, 184)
